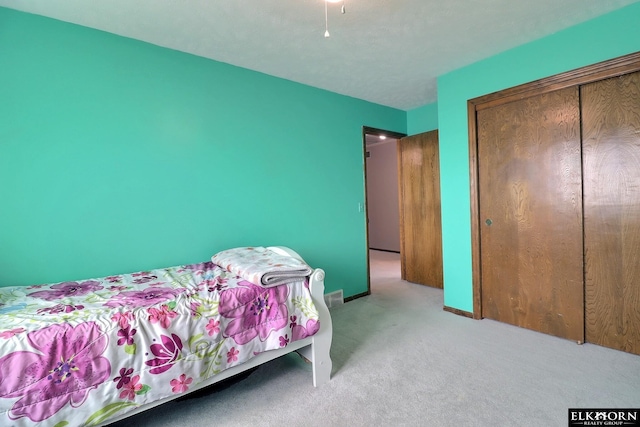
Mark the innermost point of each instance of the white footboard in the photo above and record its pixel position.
(318, 351)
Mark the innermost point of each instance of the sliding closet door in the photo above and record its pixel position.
(611, 150)
(530, 205)
(420, 221)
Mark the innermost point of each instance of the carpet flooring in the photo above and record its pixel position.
(400, 360)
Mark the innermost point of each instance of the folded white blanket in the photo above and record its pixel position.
(262, 266)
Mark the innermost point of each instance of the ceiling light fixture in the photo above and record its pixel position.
(326, 14)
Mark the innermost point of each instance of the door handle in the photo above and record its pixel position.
(488, 221)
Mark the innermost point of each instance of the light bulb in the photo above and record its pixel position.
(326, 33)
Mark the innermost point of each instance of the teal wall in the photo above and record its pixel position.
(118, 156)
(606, 37)
(422, 119)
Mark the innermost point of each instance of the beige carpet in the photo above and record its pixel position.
(400, 360)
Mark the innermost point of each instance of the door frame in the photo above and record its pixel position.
(366, 130)
(588, 74)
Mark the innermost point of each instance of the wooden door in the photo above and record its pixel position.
(530, 205)
(420, 221)
(611, 152)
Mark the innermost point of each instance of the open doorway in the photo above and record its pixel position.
(383, 213)
(381, 196)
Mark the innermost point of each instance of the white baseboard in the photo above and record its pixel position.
(334, 298)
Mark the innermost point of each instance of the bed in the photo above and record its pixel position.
(96, 351)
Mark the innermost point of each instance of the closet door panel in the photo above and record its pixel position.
(611, 157)
(530, 204)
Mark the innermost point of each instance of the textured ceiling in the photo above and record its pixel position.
(384, 51)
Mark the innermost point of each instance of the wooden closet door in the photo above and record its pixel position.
(420, 221)
(530, 204)
(611, 151)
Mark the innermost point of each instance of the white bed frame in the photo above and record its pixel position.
(315, 348)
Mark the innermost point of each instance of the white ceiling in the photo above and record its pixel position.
(384, 51)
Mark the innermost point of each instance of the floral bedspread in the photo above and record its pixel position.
(80, 353)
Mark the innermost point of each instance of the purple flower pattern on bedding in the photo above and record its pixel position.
(166, 353)
(256, 311)
(77, 353)
(68, 289)
(123, 378)
(125, 335)
(299, 332)
(65, 367)
(144, 298)
(60, 308)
